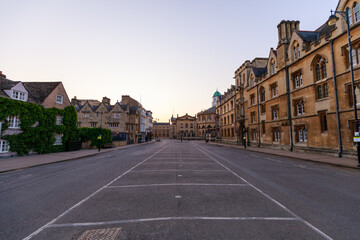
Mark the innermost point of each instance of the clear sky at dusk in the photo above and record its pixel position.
(172, 53)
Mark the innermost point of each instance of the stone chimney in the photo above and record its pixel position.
(2, 75)
(106, 101)
(285, 30)
(74, 101)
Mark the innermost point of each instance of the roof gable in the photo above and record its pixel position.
(39, 91)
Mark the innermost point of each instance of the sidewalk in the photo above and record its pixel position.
(320, 158)
(17, 163)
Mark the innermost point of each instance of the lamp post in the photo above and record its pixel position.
(332, 21)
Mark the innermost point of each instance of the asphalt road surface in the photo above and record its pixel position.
(181, 190)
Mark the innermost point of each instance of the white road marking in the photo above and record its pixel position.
(87, 198)
(179, 184)
(253, 155)
(176, 170)
(150, 163)
(174, 218)
(270, 198)
(342, 174)
(177, 196)
(300, 166)
(274, 160)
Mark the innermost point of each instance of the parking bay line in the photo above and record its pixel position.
(176, 170)
(172, 218)
(180, 184)
(87, 198)
(270, 198)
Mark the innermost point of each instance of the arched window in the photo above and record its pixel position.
(349, 15)
(320, 69)
(296, 51)
(356, 12)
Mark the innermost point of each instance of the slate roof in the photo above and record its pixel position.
(39, 91)
(259, 71)
(209, 110)
(161, 124)
(310, 36)
(6, 84)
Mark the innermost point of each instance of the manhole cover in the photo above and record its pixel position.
(101, 234)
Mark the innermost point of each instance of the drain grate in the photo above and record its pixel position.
(101, 234)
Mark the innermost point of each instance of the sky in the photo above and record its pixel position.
(170, 55)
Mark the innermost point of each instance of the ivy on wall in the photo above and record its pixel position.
(92, 134)
(38, 127)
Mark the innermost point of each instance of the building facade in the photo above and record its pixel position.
(301, 97)
(184, 127)
(161, 130)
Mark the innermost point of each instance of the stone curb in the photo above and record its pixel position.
(77, 158)
(294, 157)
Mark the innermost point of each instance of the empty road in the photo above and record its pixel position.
(181, 190)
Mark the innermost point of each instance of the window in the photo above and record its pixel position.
(263, 108)
(86, 115)
(263, 126)
(59, 120)
(356, 12)
(262, 94)
(297, 79)
(275, 112)
(116, 115)
(191, 125)
(79, 124)
(4, 146)
(276, 134)
(209, 117)
(14, 121)
(252, 99)
(273, 89)
(181, 125)
(323, 121)
(296, 51)
(114, 125)
(59, 99)
(320, 69)
(186, 125)
(299, 107)
(322, 91)
(253, 134)
(93, 124)
(253, 117)
(272, 66)
(350, 16)
(301, 133)
(18, 95)
(58, 139)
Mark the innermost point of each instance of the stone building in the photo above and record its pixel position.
(302, 97)
(206, 120)
(161, 130)
(184, 127)
(206, 123)
(225, 109)
(92, 113)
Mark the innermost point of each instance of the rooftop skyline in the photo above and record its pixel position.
(170, 55)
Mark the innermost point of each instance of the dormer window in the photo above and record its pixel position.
(59, 99)
(17, 95)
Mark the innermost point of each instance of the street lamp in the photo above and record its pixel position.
(332, 21)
